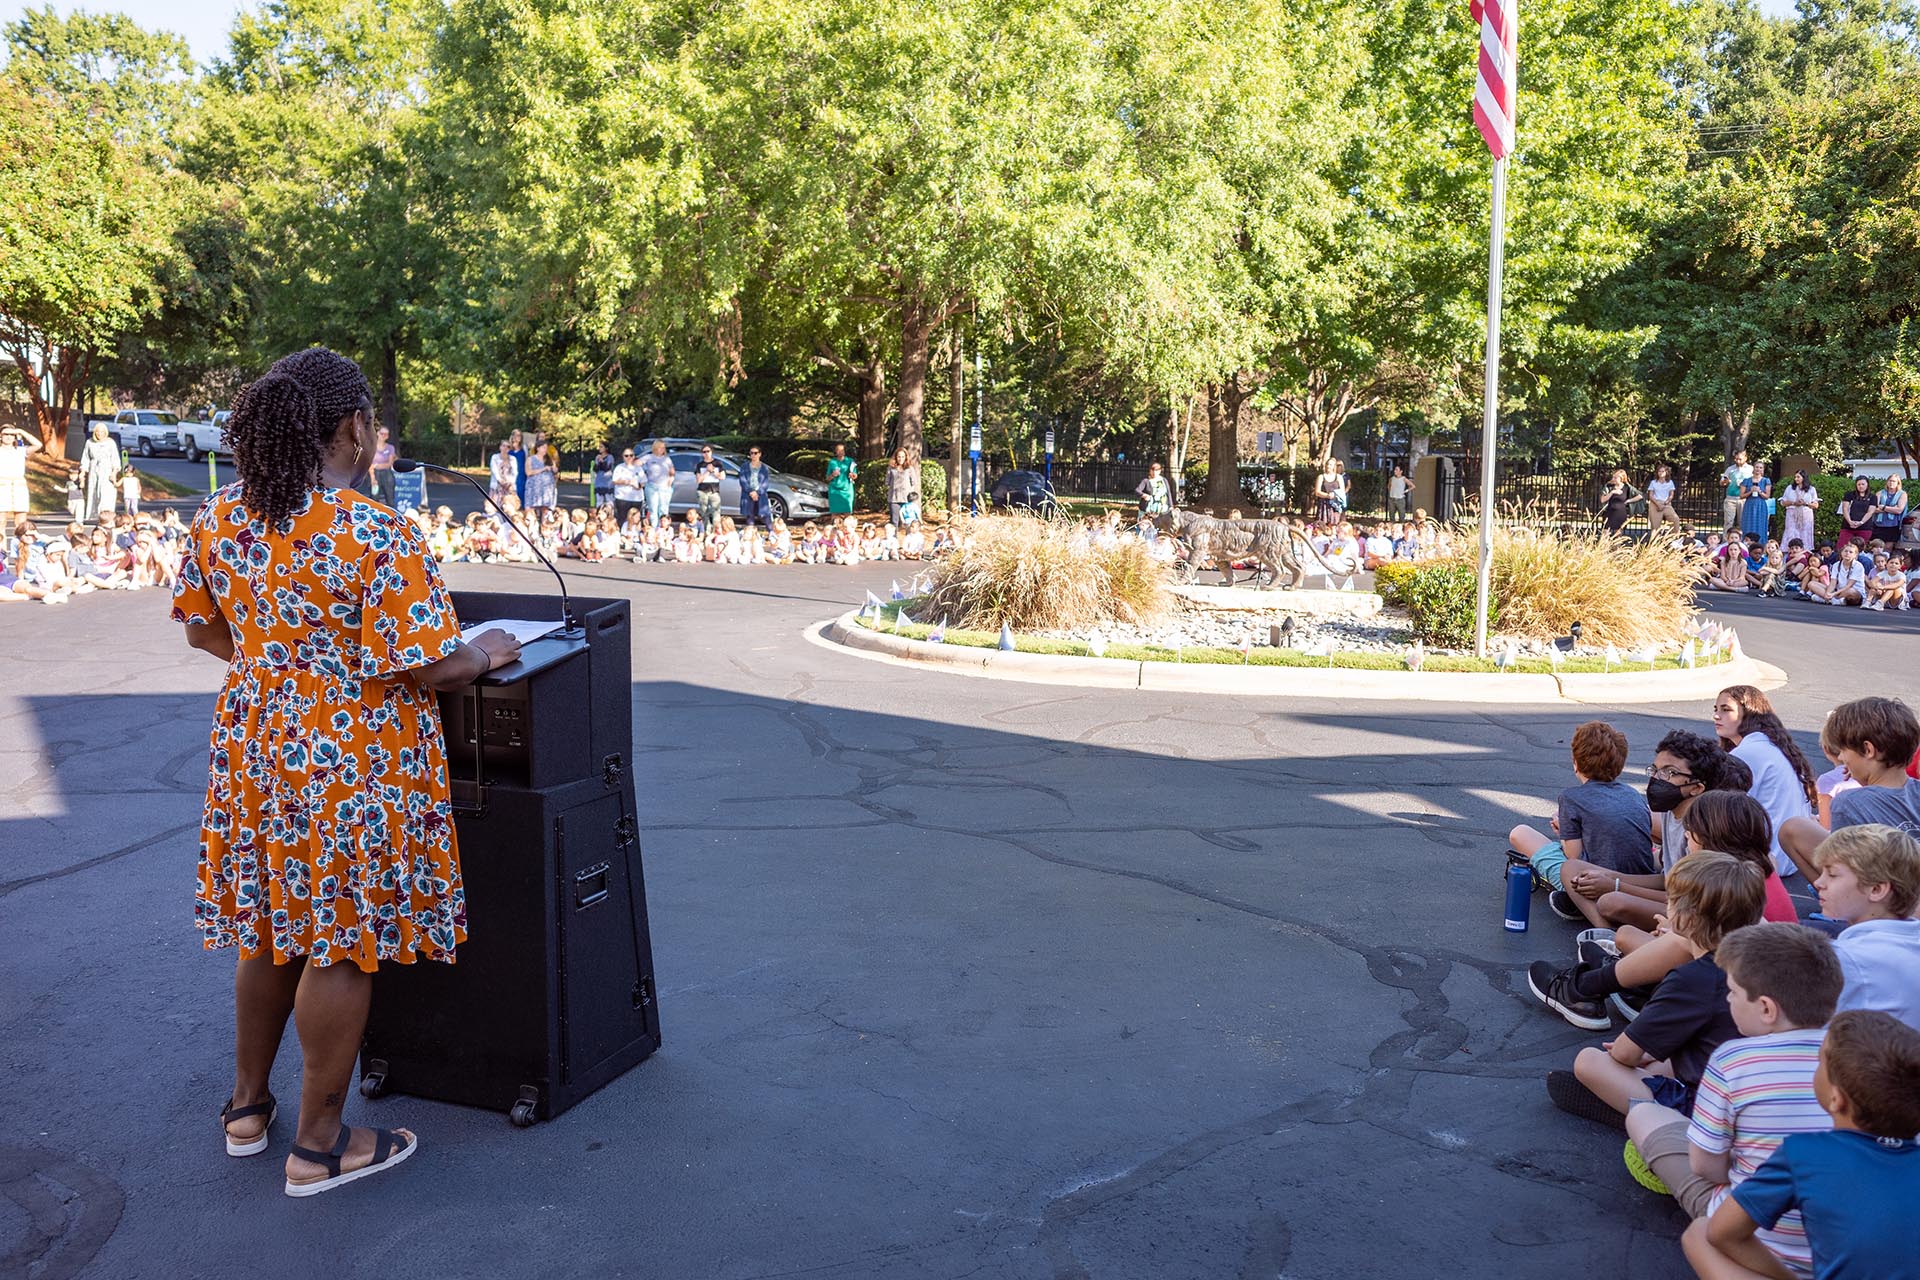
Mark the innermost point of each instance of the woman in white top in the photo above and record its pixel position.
(504, 472)
(1798, 501)
(15, 445)
(1660, 500)
(1783, 782)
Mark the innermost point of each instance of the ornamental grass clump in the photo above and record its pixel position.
(1044, 575)
(1622, 592)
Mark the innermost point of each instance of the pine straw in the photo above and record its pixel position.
(1042, 575)
(1623, 592)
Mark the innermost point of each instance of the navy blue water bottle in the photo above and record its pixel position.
(1519, 895)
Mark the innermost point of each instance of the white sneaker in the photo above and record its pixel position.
(1879, 605)
(58, 597)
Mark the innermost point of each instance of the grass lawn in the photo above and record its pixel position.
(888, 623)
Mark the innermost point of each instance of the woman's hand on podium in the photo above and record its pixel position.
(495, 648)
(499, 646)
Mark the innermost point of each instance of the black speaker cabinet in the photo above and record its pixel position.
(552, 995)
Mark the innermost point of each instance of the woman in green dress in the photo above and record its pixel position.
(841, 473)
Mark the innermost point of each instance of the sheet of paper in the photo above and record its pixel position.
(520, 629)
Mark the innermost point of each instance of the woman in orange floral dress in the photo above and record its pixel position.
(327, 845)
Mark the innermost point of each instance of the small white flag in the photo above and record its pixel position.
(1006, 638)
(1687, 654)
(939, 634)
(897, 593)
(1097, 645)
(1609, 659)
(1416, 656)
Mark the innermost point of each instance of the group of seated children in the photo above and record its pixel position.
(114, 554)
(1871, 575)
(1769, 1076)
(598, 537)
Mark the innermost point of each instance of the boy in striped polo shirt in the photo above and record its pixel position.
(1783, 981)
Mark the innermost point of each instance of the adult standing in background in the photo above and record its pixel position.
(626, 488)
(1889, 509)
(503, 475)
(656, 477)
(1798, 502)
(842, 473)
(903, 485)
(1156, 494)
(1856, 514)
(1756, 506)
(15, 445)
(755, 479)
(543, 481)
(1734, 478)
(602, 477)
(1330, 491)
(520, 459)
(1399, 492)
(100, 469)
(1660, 492)
(1616, 503)
(707, 479)
(383, 455)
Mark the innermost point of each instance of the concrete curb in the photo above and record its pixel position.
(845, 633)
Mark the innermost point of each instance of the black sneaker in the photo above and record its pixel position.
(1628, 1004)
(1594, 955)
(1574, 1098)
(1561, 904)
(1555, 989)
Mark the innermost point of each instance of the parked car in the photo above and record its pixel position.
(144, 431)
(1027, 489)
(202, 438)
(789, 497)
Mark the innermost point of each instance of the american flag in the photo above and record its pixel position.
(1494, 88)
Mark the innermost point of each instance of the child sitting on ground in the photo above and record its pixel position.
(913, 543)
(1887, 585)
(1603, 825)
(1663, 1055)
(1729, 821)
(1872, 739)
(1782, 982)
(1870, 877)
(1855, 1185)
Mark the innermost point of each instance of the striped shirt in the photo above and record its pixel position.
(1755, 1092)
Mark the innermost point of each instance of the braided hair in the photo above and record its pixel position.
(282, 424)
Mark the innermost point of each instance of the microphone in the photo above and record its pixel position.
(573, 629)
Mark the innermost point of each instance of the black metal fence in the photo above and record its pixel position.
(1570, 498)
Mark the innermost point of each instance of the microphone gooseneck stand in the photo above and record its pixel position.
(574, 630)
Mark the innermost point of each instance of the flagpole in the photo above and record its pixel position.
(1490, 409)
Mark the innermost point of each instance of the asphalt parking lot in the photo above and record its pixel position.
(958, 978)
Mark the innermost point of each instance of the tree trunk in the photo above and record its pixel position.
(1223, 444)
(916, 352)
(390, 389)
(870, 440)
(1735, 427)
(66, 369)
(956, 419)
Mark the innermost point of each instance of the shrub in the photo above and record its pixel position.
(1037, 575)
(1439, 596)
(1626, 593)
(870, 490)
(1390, 579)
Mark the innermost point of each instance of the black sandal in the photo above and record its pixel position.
(250, 1146)
(387, 1152)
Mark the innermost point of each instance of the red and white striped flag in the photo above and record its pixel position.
(1494, 89)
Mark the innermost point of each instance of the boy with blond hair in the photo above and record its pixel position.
(1870, 877)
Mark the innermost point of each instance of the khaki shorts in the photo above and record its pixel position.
(1665, 1152)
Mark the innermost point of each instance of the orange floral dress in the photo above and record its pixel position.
(328, 831)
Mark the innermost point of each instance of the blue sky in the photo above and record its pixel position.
(204, 23)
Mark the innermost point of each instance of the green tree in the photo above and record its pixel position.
(85, 212)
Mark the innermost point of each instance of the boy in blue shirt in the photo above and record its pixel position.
(1856, 1186)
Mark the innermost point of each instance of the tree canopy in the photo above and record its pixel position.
(799, 215)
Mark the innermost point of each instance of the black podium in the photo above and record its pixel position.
(552, 995)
